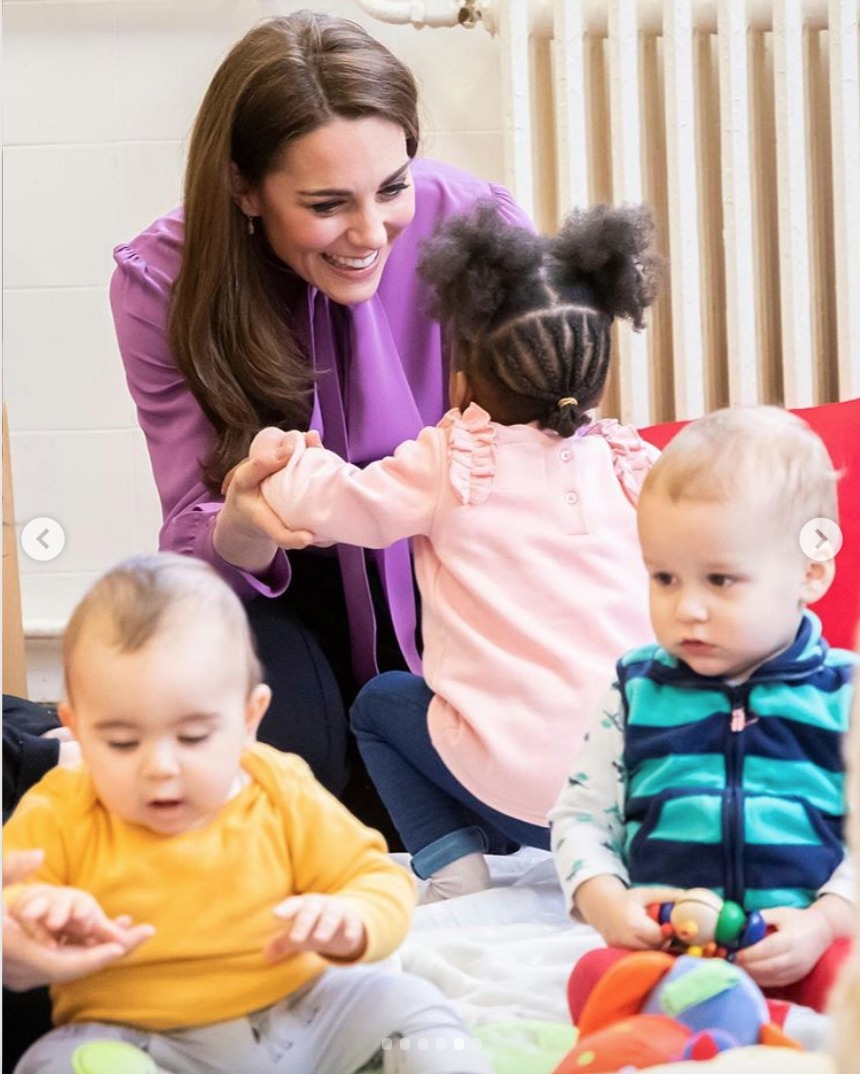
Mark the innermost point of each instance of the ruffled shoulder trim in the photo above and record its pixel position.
(471, 453)
(632, 457)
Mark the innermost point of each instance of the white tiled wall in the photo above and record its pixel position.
(98, 100)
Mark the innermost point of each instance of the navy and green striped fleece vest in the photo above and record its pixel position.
(755, 813)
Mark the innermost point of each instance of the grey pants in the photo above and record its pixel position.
(336, 1025)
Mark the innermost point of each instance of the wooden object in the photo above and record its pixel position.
(14, 661)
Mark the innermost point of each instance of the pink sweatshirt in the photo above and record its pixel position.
(531, 580)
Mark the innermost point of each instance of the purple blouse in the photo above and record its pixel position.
(379, 382)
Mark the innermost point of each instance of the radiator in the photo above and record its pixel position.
(740, 123)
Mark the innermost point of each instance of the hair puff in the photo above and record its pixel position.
(610, 249)
(475, 263)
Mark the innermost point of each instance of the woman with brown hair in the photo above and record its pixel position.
(285, 292)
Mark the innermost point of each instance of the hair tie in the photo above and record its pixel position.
(567, 400)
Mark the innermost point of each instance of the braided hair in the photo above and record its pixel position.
(531, 315)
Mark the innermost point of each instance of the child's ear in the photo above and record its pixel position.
(67, 716)
(817, 580)
(255, 708)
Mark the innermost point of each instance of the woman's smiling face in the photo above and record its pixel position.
(338, 199)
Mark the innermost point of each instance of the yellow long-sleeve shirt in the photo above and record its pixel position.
(209, 892)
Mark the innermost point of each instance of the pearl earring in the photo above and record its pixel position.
(250, 224)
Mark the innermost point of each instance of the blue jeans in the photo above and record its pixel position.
(437, 818)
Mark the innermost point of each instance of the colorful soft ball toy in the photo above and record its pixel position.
(652, 1007)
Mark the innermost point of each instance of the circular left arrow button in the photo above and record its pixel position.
(43, 539)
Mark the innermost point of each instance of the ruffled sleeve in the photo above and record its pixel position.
(632, 457)
(471, 453)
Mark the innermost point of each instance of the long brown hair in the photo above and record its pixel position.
(229, 325)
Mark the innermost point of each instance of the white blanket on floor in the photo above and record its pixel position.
(506, 952)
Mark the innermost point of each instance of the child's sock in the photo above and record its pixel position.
(461, 877)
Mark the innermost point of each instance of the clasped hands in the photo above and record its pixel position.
(248, 533)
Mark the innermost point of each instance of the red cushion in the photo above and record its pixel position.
(838, 425)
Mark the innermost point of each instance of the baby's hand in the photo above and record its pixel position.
(620, 914)
(327, 924)
(269, 441)
(56, 915)
(796, 940)
(279, 444)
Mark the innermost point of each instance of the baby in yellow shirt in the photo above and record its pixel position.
(246, 902)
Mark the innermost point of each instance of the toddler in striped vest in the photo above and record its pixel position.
(716, 760)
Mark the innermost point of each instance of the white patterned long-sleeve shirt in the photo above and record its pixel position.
(587, 821)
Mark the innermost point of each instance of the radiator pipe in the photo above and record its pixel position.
(423, 12)
(467, 13)
(759, 14)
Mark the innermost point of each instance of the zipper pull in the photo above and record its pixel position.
(739, 719)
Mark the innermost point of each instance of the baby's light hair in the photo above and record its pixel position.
(763, 451)
(139, 596)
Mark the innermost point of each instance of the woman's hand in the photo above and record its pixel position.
(18, 864)
(31, 960)
(56, 915)
(248, 533)
(620, 914)
(327, 924)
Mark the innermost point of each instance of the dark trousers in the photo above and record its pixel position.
(439, 820)
(303, 641)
